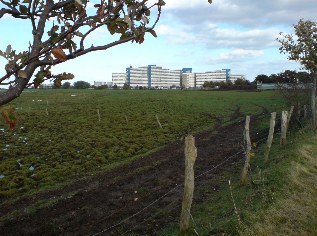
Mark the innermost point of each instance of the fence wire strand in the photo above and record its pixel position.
(258, 140)
(237, 121)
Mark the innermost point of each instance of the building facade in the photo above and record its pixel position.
(102, 83)
(119, 79)
(137, 77)
(218, 75)
(235, 77)
(153, 76)
(188, 78)
(163, 78)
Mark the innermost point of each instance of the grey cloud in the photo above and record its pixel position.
(212, 36)
(251, 39)
(236, 55)
(248, 13)
(253, 68)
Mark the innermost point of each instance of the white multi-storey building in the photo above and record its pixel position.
(235, 77)
(137, 77)
(101, 83)
(218, 75)
(163, 78)
(119, 79)
(189, 80)
(152, 76)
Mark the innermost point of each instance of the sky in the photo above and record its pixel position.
(236, 34)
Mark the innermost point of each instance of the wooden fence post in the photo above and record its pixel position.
(126, 119)
(289, 117)
(245, 177)
(99, 119)
(270, 137)
(305, 112)
(158, 121)
(298, 110)
(190, 158)
(46, 111)
(284, 127)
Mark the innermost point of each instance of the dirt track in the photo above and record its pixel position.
(96, 205)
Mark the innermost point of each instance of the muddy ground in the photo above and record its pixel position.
(141, 198)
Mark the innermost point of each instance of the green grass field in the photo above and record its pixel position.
(280, 201)
(59, 136)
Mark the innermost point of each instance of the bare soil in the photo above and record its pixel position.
(140, 198)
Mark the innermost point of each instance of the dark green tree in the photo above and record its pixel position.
(262, 79)
(302, 47)
(66, 85)
(126, 86)
(81, 85)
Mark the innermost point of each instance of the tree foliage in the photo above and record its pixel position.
(301, 46)
(66, 85)
(126, 86)
(288, 76)
(240, 84)
(293, 85)
(9, 116)
(60, 30)
(81, 85)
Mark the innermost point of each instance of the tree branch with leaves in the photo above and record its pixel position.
(60, 30)
(302, 47)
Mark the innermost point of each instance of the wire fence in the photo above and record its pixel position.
(260, 135)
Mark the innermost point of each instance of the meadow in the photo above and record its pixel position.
(59, 136)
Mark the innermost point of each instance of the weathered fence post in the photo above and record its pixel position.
(289, 117)
(190, 158)
(298, 110)
(245, 177)
(158, 121)
(305, 112)
(126, 119)
(270, 137)
(284, 127)
(46, 111)
(99, 119)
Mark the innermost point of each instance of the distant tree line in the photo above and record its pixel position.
(67, 85)
(287, 76)
(239, 84)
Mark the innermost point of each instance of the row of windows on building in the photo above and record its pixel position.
(154, 76)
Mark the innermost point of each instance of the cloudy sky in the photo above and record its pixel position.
(235, 34)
